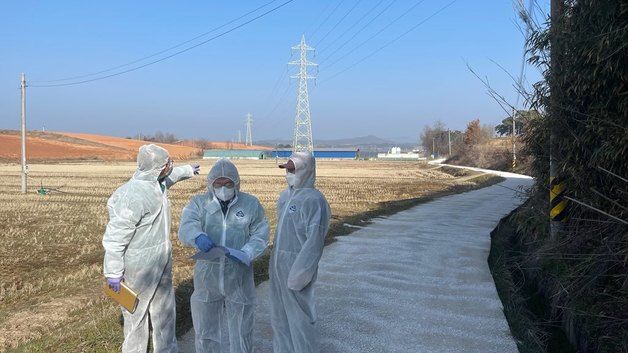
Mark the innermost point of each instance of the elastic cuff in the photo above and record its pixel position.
(248, 253)
(190, 170)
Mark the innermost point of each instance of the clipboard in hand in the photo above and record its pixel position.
(127, 298)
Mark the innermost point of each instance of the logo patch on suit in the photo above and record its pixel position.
(292, 209)
(240, 214)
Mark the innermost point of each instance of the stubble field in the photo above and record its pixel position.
(51, 253)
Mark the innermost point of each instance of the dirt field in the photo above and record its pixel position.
(181, 150)
(51, 255)
(45, 148)
(66, 146)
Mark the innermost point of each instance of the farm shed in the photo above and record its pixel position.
(234, 154)
(325, 153)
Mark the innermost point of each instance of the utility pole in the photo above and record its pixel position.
(449, 141)
(558, 204)
(434, 147)
(239, 136)
(249, 136)
(302, 140)
(23, 125)
(514, 139)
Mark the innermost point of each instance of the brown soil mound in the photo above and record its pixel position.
(176, 151)
(41, 147)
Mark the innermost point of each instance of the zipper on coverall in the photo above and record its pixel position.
(223, 241)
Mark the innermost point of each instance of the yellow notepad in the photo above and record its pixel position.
(126, 297)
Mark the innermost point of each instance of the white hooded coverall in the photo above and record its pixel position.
(303, 221)
(137, 246)
(224, 286)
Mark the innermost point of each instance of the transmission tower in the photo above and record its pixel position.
(249, 137)
(302, 140)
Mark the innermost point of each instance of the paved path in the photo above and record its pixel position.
(417, 281)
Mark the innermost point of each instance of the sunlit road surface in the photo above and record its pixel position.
(417, 281)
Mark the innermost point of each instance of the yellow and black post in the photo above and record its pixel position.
(558, 203)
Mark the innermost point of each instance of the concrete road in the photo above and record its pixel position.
(417, 281)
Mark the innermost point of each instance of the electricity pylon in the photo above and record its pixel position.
(302, 140)
(249, 136)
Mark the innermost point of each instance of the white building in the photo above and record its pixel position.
(396, 154)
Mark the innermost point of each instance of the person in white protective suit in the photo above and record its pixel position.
(138, 250)
(227, 217)
(303, 220)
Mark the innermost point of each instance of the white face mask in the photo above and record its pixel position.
(291, 178)
(224, 193)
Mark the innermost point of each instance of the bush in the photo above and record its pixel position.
(583, 104)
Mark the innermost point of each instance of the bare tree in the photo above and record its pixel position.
(434, 138)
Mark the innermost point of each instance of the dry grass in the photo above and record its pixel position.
(50, 259)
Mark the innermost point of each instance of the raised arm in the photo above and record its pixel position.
(178, 174)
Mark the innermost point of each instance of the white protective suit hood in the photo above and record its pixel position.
(305, 170)
(151, 160)
(138, 247)
(224, 290)
(223, 168)
(303, 216)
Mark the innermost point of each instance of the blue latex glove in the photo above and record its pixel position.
(196, 168)
(114, 283)
(203, 243)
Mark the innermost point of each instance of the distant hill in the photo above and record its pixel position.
(358, 142)
(369, 140)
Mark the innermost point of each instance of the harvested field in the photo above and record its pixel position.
(50, 261)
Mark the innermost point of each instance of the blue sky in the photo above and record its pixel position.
(207, 91)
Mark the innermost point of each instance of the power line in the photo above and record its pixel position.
(272, 92)
(281, 100)
(378, 32)
(326, 19)
(392, 41)
(272, 119)
(352, 26)
(171, 55)
(162, 51)
(320, 15)
(267, 112)
(359, 31)
(284, 94)
(338, 23)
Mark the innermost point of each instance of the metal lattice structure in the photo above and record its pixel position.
(302, 140)
(249, 135)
